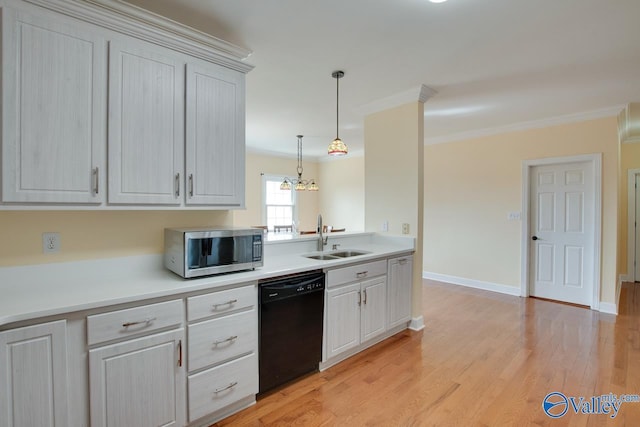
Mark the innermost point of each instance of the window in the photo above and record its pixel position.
(279, 206)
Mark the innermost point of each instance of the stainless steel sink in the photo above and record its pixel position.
(336, 255)
(346, 254)
(322, 257)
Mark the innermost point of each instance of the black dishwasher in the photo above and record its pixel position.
(291, 320)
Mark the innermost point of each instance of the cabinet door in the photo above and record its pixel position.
(33, 376)
(146, 125)
(215, 136)
(374, 307)
(342, 319)
(54, 110)
(399, 292)
(138, 382)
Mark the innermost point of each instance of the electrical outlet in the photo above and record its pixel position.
(50, 243)
(405, 228)
(513, 216)
(385, 225)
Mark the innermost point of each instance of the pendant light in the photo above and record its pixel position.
(299, 184)
(337, 147)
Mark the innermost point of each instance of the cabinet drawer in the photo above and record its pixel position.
(221, 302)
(356, 273)
(123, 323)
(220, 339)
(223, 385)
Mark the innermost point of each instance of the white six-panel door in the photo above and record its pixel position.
(562, 232)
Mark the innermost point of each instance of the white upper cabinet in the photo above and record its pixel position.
(146, 125)
(215, 133)
(94, 103)
(53, 109)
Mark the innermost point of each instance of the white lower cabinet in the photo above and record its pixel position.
(400, 285)
(219, 387)
(222, 353)
(138, 382)
(354, 314)
(33, 376)
(364, 304)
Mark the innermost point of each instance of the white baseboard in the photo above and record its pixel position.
(608, 307)
(417, 323)
(625, 278)
(472, 283)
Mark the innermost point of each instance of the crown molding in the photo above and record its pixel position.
(534, 124)
(629, 123)
(420, 93)
(134, 21)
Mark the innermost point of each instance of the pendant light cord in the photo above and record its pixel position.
(337, 106)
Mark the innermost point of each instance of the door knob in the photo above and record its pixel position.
(534, 238)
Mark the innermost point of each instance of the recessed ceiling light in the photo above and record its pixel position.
(437, 1)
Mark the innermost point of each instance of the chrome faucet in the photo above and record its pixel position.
(321, 239)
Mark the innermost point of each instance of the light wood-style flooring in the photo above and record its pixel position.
(483, 359)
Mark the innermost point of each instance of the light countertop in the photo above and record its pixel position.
(35, 291)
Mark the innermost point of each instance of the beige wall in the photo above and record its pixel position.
(257, 164)
(394, 181)
(92, 234)
(342, 192)
(629, 159)
(471, 185)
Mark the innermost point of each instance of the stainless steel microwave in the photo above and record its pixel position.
(194, 252)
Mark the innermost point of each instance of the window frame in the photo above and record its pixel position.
(294, 199)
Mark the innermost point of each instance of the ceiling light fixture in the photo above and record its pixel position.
(337, 147)
(437, 1)
(298, 183)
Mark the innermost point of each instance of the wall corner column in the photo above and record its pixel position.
(394, 175)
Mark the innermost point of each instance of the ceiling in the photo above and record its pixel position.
(495, 64)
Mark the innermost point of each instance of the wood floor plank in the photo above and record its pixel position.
(483, 359)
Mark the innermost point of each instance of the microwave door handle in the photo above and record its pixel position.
(203, 253)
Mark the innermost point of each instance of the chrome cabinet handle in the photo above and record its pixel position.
(231, 338)
(361, 274)
(403, 261)
(230, 302)
(359, 298)
(180, 353)
(96, 177)
(139, 322)
(365, 296)
(220, 390)
(178, 184)
(191, 185)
